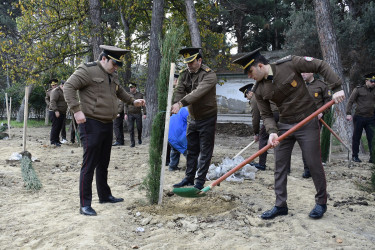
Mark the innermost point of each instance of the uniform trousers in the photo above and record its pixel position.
(360, 123)
(308, 138)
(118, 128)
(96, 138)
(51, 114)
(57, 125)
(137, 118)
(200, 146)
(263, 141)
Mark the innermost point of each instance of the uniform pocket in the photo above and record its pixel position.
(289, 85)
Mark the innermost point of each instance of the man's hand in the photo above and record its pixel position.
(175, 108)
(139, 103)
(320, 116)
(144, 117)
(80, 117)
(256, 137)
(57, 114)
(272, 139)
(339, 96)
(349, 117)
(126, 117)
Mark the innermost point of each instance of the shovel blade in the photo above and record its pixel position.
(190, 192)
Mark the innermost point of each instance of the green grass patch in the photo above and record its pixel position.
(30, 123)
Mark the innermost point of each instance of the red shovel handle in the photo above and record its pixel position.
(282, 137)
(333, 132)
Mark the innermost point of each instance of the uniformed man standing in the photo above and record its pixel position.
(134, 114)
(283, 84)
(118, 125)
(58, 107)
(321, 95)
(95, 111)
(54, 83)
(364, 118)
(196, 89)
(260, 133)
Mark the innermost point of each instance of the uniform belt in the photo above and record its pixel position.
(298, 117)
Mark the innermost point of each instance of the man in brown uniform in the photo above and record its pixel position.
(283, 84)
(364, 118)
(54, 83)
(95, 111)
(118, 125)
(58, 107)
(260, 133)
(321, 95)
(134, 114)
(196, 89)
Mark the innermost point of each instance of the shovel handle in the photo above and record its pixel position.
(333, 132)
(265, 148)
(239, 153)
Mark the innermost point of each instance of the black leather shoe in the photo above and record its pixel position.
(111, 199)
(306, 174)
(87, 211)
(370, 161)
(275, 211)
(139, 141)
(132, 145)
(199, 186)
(260, 167)
(117, 144)
(56, 144)
(184, 183)
(318, 211)
(173, 168)
(356, 159)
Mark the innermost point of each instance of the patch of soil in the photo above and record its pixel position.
(234, 129)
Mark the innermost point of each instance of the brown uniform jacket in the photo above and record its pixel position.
(57, 101)
(365, 99)
(288, 90)
(120, 106)
(98, 92)
(48, 96)
(319, 92)
(198, 92)
(131, 109)
(256, 114)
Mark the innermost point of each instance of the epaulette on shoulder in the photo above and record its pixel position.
(284, 59)
(182, 70)
(206, 68)
(90, 64)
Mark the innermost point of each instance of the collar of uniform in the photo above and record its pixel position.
(270, 72)
(195, 71)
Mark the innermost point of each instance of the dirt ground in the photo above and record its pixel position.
(227, 218)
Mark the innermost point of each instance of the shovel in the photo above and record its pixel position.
(192, 192)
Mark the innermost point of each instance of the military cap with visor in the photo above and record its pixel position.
(132, 85)
(370, 77)
(247, 60)
(245, 89)
(53, 82)
(190, 54)
(114, 53)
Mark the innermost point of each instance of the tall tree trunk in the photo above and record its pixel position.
(96, 32)
(239, 34)
(128, 58)
(193, 24)
(153, 64)
(329, 47)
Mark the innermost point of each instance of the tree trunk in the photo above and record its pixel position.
(238, 32)
(126, 24)
(153, 64)
(96, 32)
(193, 24)
(329, 47)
